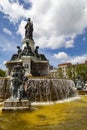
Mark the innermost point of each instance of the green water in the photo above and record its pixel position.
(64, 116)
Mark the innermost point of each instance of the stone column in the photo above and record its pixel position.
(27, 64)
(7, 72)
(31, 43)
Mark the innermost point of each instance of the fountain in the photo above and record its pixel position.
(24, 68)
(4, 88)
(44, 90)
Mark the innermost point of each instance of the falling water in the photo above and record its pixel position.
(43, 89)
(51, 89)
(4, 88)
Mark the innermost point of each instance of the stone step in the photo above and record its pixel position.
(14, 108)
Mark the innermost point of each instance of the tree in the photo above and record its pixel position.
(69, 72)
(2, 73)
(60, 73)
(81, 70)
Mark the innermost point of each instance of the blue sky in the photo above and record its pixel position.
(60, 28)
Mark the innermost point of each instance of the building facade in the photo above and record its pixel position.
(68, 70)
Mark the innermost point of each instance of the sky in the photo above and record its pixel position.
(60, 29)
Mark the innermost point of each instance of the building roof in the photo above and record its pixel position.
(64, 64)
(72, 64)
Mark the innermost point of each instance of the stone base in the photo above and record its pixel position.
(14, 108)
(82, 92)
(28, 75)
(16, 105)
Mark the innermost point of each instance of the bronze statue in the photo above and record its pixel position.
(19, 52)
(17, 82)
(27, 51)
(29, 29)
(40, 56)
(36, 51)
(14, 57)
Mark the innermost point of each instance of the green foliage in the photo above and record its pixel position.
(69, 72)
(77, 70)
(74, 71)
(81, 70)
(60, 73)
(2, 73)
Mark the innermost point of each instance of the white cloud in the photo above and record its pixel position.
(57, 21)
(78, 59)
(63, 57)
(7, 31)
(21, 28)
(4, 62)
(7, 45)
(69, 44)
(2, 66)
(13, 10)
(54, 21)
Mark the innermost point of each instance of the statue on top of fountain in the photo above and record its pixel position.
(40, 56)
(27, 49)
(29, 29)
(25, 52)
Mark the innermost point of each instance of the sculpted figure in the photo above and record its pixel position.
(17, 82)
(14, 57)
(18, 55)
(29, 29)
(36, 51)
(27, 51)
(19, 52)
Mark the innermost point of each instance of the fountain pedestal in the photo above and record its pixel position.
(30, 42)
(10, 105)
(27, 64)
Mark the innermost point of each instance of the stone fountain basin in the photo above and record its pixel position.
(43, 89)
